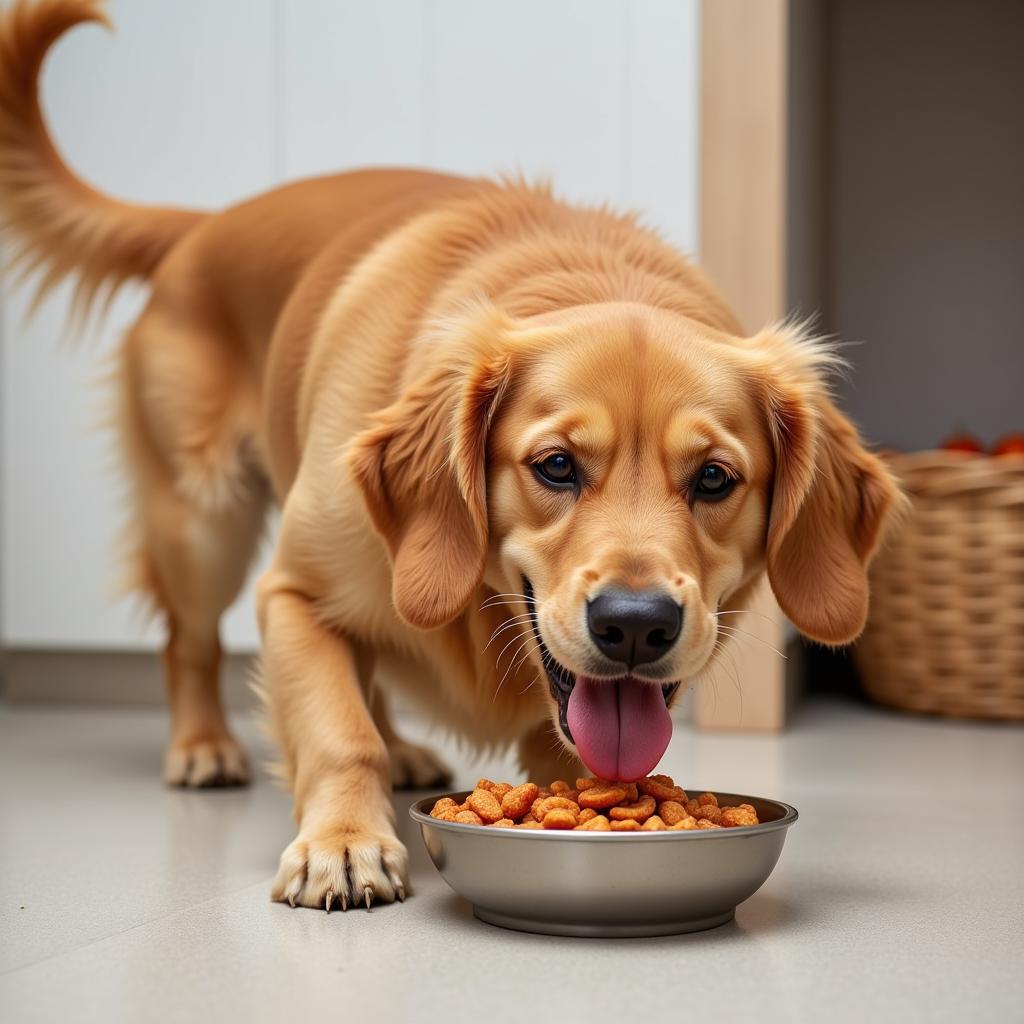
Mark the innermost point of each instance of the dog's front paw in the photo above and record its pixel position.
(206, 762)
(344, 867)
(416, 767)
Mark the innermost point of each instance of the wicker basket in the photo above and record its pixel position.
(946, 628)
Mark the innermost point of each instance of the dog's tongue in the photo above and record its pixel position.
(620, 728)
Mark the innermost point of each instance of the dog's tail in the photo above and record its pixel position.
(57, 225)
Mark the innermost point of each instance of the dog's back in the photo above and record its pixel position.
(224, 277)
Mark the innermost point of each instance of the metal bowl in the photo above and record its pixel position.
(618, 884)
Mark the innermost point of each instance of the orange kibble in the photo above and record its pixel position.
(661, 787)
(737, 817)
(560, 818)
(712, 812)
(544, 807)
(446, 803)
(484, 803)
(654, 804)
(598, 823)
(671, 811)
(687, 824)
(518, 801)
(640, 811)
(602, 796)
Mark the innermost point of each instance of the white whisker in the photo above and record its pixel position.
(511, 662)
(735, 633)
(518, 636)
(714, 689)
(535, 679)
(735, 678)
(518, 620)
(709, 675)
(748, 611)
(498, 599)
(526, 654)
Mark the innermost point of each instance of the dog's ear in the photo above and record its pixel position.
(422, 469)
(832, 500)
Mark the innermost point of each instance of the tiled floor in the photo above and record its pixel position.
(899, 896)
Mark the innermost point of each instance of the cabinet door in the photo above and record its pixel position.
(601, 96)
(173, 108)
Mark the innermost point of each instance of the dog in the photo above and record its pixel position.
(525, 455)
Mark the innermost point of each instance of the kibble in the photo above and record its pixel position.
(654, 804)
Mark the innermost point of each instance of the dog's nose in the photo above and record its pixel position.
(633, 626)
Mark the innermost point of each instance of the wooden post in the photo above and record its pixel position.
(743, 247)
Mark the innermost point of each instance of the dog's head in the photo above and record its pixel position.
(630, 473)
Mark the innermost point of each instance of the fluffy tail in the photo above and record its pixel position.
(57, 224)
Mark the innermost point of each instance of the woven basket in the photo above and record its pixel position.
(946, 629)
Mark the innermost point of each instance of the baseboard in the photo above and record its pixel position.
(136, 678)
(107, 677)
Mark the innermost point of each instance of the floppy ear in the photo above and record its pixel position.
(832, 500)
(422, 466)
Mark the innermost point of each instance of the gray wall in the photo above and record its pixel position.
(925, 244)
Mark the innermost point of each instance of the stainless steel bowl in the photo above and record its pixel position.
(617, 884)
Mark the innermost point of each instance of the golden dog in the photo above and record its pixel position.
(525, 456)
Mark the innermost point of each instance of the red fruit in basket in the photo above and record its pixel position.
(961, 441)
(1009, 444)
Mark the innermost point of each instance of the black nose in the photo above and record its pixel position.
(634, 626)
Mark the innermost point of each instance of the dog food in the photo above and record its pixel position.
(654, 804)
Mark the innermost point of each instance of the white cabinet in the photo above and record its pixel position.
(176, 106)
(203, 103)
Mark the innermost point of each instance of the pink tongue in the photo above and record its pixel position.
(620, 728)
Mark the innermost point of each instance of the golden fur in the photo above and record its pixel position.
(387, 354)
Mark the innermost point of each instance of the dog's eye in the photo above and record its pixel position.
(713, 482)
(556, 470)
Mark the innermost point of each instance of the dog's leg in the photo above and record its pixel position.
(196, 560)
(212, 565)
(346, 851)
(198, 509)
(543, 758)
(412, 766)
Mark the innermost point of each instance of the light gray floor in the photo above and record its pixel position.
(898, 897)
